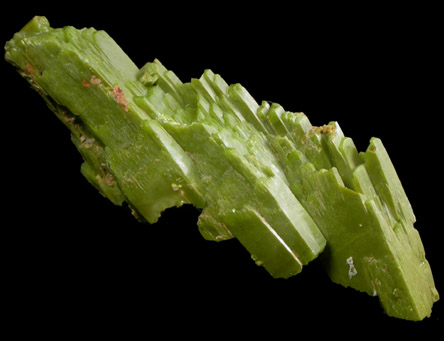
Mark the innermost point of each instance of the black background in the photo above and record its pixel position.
(73, 260)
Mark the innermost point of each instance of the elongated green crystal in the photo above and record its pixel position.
(285, 189)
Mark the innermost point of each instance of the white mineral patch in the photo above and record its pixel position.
(352, 270)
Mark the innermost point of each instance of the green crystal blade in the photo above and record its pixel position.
(286, 190)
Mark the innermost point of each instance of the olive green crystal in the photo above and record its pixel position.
(288, 191)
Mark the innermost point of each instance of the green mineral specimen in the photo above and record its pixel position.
(288, 191)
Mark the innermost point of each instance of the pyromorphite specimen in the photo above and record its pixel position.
(284, 189)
